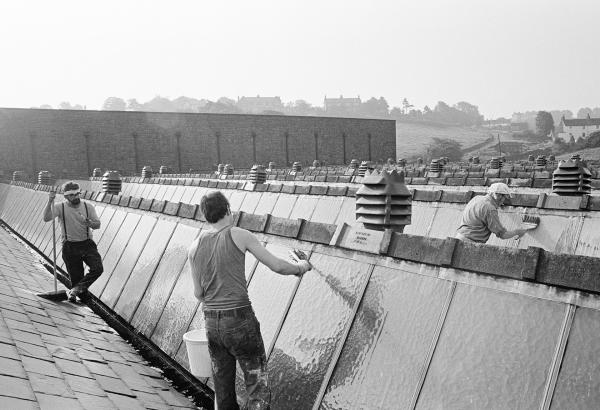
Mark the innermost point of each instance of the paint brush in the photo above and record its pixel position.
(530, 221)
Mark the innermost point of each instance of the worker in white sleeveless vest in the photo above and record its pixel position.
(76, 218)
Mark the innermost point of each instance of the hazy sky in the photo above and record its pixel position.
(502, 55)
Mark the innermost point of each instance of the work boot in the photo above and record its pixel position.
(84, 295)
(72, 295)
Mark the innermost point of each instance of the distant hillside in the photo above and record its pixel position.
(412, 139)
(587, 154)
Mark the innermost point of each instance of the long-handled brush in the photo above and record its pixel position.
(530, 221)
(56, 295)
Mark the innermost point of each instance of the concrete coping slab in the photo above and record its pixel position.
(171, 208)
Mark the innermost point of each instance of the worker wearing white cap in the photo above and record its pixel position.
(77, 219)
(480, 217)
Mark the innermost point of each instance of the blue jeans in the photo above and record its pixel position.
(235, 335)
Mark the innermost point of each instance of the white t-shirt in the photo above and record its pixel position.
(74, 219)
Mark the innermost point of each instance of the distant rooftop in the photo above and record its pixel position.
(581, 122)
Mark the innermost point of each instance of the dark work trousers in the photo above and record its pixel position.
(235, 335)
(75, 254)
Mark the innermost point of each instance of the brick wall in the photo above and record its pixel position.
(72, 143)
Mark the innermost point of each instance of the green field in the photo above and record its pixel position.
(412, 139)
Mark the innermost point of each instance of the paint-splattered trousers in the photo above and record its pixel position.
(234, 335)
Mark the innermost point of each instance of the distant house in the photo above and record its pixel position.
(342, 105)
(519, 126)
(258, 104)
(577, 127)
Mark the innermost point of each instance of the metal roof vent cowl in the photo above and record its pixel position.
(44, 178)
(111, 182)
(540, 161)
(436, 165)
(257, 174)
(147, 172)
(19, 176)
(496, 163)
(383, 201)
(571, 178)
(364, 167)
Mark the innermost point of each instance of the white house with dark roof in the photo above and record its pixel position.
(577, 127)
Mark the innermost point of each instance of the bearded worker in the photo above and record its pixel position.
(76, 218)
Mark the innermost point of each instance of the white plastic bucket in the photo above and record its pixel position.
(196, 344)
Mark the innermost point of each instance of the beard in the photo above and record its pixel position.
(75, 201)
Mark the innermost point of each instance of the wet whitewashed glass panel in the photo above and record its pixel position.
(495, 351)
(304, 207)
(270, 294)
(153, 191)
(25, 211)
(588, 243)
(266, 204)
(163, 280)
(327, 210)
(250, 202)
(135, 190)
(112, 256)
(387, 347)
(446, 221)
(178, 193)
(143, 193)
(421, 219)
(178, 312)
(170, 192)
(119, 275)
(105, 219)
(162, 190)
(43, 228)
(236, 199)
(138, 281)
(188, 194)
(284, 205)
(347, 212)
(198, 194)
(111, 230)
(578, 384)
(555, 233)
(38, 204)
(320, 312)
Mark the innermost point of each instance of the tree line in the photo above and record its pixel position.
(461, 113)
